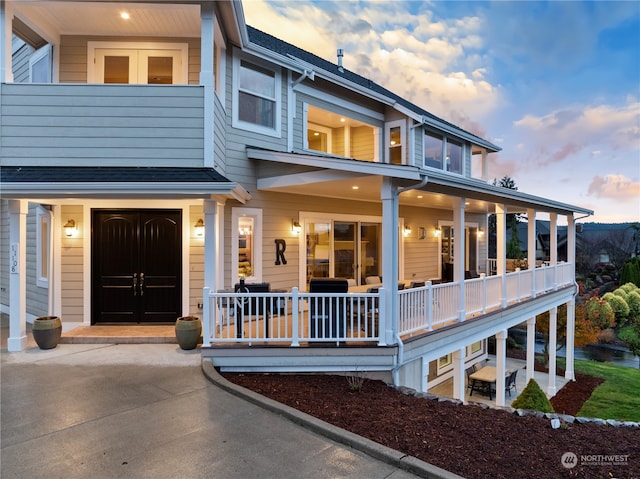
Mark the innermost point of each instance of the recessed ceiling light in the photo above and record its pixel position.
(125, 16)
(355, 187)
(342, 120)
(419, 197)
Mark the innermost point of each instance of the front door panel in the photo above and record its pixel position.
(136, 266)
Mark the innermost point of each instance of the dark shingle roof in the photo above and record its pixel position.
(279, 46)
(115, 174)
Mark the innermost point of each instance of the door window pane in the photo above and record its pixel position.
(318, 249)
(395, 146)
(116, 69)
(160, 71)
(245, 247)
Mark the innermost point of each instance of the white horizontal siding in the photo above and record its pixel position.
(116, 125)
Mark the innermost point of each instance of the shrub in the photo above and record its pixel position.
(606, 336)
(628, 287)
(621, 293)
(599, 312)
(532, 398)
(633, 301)
(620, 307)
(631, 272)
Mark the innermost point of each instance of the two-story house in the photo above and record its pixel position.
(154, 156)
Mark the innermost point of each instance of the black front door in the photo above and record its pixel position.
(137, 266)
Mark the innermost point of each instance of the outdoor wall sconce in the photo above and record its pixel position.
(437, 231)
(199, 226)
(480, 232)
(407, 230)
(295, 227)
(70, 228)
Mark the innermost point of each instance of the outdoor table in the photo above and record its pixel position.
(486, 376)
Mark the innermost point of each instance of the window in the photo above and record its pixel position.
(475, 347)
(341, 135)
(395, 138)
(257, 99)
(40, 65)
(444, 362)
(443, 153)
(433, 147)
(246, 244)
(43, 245)
(454, 157)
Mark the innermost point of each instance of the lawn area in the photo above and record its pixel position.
(618, 397)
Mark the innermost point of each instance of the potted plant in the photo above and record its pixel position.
(188, 331)
(47, 331)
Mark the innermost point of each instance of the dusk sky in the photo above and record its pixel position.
(555, 84)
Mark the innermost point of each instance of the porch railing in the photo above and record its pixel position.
(289, 318)
(292, 317)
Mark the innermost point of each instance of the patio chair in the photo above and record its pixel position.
(372, 280)
(510, 382)
(417, 284)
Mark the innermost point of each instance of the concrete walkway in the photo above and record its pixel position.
(137, 411)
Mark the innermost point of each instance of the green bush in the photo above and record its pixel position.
(628, 287)
(631, 272)
(633, 301)
(532, 398)
(599, 312)
(621, 293)
(620, 307)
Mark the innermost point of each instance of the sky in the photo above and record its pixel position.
(555, 84)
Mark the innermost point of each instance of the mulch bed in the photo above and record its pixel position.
(468, 440)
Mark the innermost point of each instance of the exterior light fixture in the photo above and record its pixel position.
(295, 227)
(480, 232)
(407, 230)
(70, 228)
(199, 226)
(437, 231)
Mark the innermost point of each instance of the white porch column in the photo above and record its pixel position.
(389, 320)
(531, 348)
(459, 249)
(553, 339)
(458, 373)
(17, 340)
(532, 246)
(212, 251)
(571, 245)
(485, 165)
(501, 248)
(501, 365)
(207, 31)
(553, 245)
(570, 342)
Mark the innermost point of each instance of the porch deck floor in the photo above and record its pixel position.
(445, 389)
(121, 334)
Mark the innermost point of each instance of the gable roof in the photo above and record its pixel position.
(281, 47)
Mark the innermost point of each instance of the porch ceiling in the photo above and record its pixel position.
(179, 19)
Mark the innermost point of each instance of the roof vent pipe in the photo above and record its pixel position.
(340, 55)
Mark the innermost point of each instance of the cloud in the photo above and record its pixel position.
(617, 187)
(565, 132)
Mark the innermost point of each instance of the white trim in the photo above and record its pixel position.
(277, 75)
(43, 215)
(342, 105)
(321, 129)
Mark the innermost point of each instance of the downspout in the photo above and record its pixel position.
(400, 360)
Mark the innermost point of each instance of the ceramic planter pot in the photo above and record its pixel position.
(188, 331)
(47, 331)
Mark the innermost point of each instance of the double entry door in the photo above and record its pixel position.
(136, 266)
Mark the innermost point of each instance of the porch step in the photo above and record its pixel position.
(145, 334)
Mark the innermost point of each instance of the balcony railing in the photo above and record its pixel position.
(292, 318)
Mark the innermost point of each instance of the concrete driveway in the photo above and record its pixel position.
(137, 411)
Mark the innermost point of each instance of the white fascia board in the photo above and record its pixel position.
(173, 189)
(509, 196)
(356, 166)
